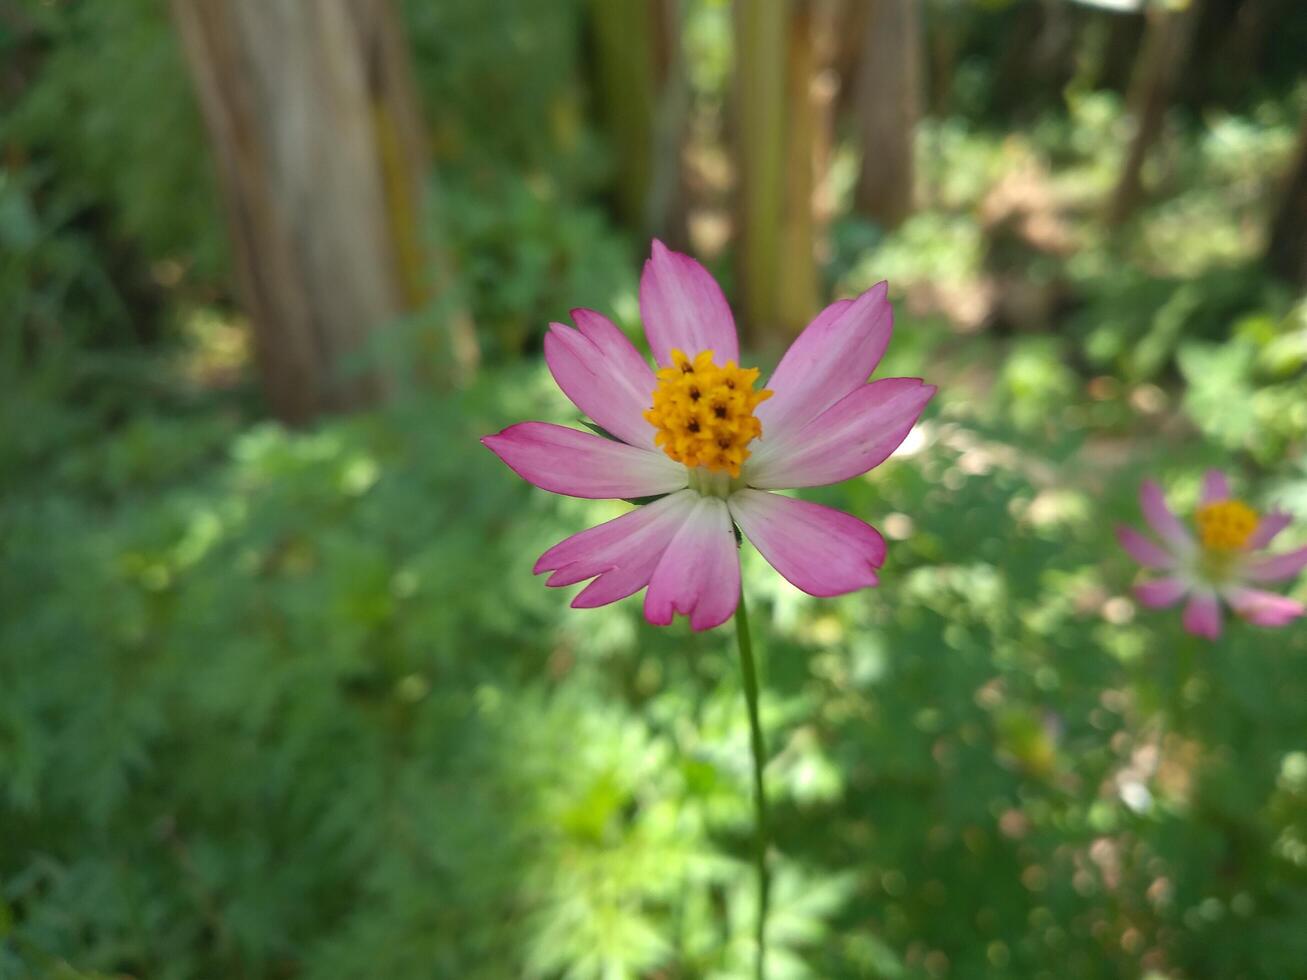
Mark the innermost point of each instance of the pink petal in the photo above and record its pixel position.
(1161, 592)
(852, 436)
(581, 464)
(1263, 608)
(834, 355)
(822, 551)
(1147, 552)
(699, 573)
(622, 552)
(683, 308)
(1270, 525)
(1215, 487)
(604, 375)
(1277, 568)
(1161, 520)
(1202, 617)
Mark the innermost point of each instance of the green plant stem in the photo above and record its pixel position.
(1182, 670)
(750, 672)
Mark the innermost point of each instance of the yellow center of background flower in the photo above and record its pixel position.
(1226, 525)
(704, 413)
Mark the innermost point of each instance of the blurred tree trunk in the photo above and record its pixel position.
(775, 126)
(888, 107)
(321, 156)
(945, 33)
(829, 19)
(1121, 48)
(644, 97)
(849, 28)
(1226, 52)
(1040, 57)
(1286, 252)
(1152, 85)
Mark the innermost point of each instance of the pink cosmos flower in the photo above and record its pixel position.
(712, 448)
(1218, 563)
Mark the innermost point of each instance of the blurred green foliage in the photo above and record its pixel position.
(516, 198)
(306, 709)
(108, 119)
(279, 703)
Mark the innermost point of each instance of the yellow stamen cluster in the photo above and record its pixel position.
(704, 413)
(1225, 525)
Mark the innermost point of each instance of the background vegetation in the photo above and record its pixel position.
(286, 701)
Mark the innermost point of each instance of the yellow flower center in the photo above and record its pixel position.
(1225, 525)
(704, 413)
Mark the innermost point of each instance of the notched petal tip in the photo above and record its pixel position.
(549, 562)
(619, 555)
(702, 615)
(819, 550)
(698, 623)
(856, 434)
(699, 573)
(502, 441)
(705, 624)
(833, 356)
(928, 391)
(656, 618)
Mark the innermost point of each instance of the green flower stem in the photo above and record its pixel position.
(750, 672)
(1180, 670)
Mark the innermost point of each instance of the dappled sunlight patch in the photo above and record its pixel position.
(1055, 507)
(216, 350)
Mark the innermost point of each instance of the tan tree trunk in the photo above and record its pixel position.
(1152, 85)
(888, 105)
(321, 156)
(1286, 252)
(775, 122)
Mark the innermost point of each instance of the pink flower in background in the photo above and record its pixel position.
(1221, 562)
(698, 433)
